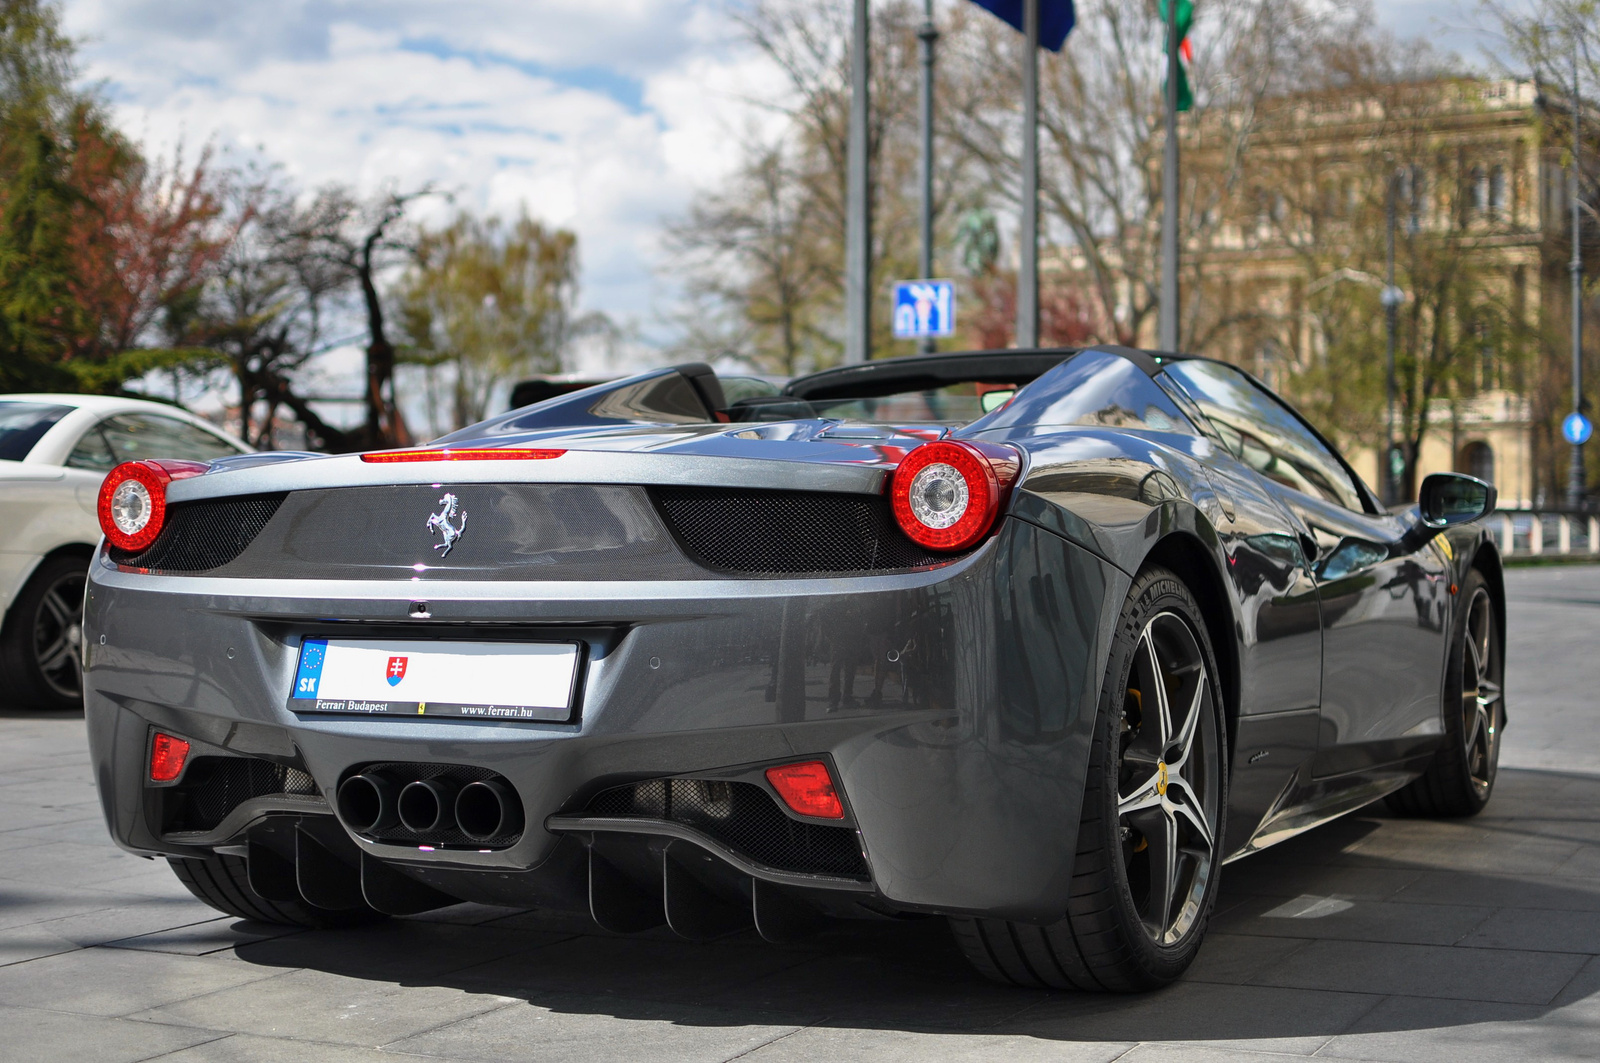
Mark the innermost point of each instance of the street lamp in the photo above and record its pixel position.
(1575, 267)
(1392, 297)
(927, 35)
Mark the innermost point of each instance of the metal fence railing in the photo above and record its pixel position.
(1527, 533)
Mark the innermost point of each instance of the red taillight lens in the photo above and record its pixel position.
(133, 500)
(945, 495)
(463, 454)
(167, 755)
(807, 788)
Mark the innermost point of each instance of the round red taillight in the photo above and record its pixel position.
(133, 504)
(946, 494)
(133, 499)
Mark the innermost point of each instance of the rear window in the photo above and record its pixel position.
(952, 404)
(22, 424)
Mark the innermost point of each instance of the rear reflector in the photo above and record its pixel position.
(463, 454)
(807, 789)
(167, 755)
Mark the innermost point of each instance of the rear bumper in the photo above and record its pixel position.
(954, 706)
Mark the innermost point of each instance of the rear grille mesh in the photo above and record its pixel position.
(215, 786)
(776, 533)
(200, 536)
(743, 817)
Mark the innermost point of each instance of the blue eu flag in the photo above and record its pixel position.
(1056, 18)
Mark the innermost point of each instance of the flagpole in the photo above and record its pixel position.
(1028, 238)
(1168, 318)
(858, 218)
(927, 35)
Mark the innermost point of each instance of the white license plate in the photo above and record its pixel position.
(473, 680)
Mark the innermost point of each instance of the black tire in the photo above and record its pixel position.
(1460, 780)
(1106, 941)
(223, 882)
(41, 643)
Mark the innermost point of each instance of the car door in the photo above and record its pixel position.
(134, 436)
(1383, 612)
(130, 437)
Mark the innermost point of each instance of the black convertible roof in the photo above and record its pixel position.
(926, 372)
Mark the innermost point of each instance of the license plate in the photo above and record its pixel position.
(473, 680)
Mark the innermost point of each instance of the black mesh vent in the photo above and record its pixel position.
(214, 786)
(204, 535)
(779, 533)
(743, 817)
(460, 774)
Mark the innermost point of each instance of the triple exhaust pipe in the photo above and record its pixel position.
(371, 803)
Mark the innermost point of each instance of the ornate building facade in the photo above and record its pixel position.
(1285, 267)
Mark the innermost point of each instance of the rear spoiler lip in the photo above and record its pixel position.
(574, 467)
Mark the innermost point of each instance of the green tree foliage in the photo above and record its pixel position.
(100, 248)
(487, 302)
(38, 115)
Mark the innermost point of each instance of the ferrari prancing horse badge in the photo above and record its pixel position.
(441, 520)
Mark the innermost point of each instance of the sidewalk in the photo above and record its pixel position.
(1371, 938)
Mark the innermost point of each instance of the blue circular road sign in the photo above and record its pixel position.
(1576, 429)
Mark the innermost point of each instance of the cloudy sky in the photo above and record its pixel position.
(603, 117)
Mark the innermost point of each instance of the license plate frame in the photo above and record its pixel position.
(502, 680)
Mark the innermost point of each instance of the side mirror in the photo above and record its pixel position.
(1448, 499)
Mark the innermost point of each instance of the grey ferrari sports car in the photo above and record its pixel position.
(1036, 641)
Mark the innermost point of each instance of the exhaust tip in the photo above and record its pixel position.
(367, 803)
(427, 806)
(488, 809)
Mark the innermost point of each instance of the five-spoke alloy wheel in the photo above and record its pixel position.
(1461, 777)
(1169, 780)
(1481, 694)
(1150, 832)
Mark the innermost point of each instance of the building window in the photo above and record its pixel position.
(1480, 190)
(1477, 459)
(1413, 194)
(1497, 191)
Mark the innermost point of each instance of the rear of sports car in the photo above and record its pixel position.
(710, 679)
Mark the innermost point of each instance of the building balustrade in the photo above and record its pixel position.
(1532, 533)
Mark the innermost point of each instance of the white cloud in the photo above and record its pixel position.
(601, 119)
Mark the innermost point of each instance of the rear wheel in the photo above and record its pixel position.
(41, 645)
(223, 882)
(1461, 777)
(1145, 874)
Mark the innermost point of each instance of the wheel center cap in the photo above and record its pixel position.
(1161, 778)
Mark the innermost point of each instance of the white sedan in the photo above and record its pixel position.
(54, 451)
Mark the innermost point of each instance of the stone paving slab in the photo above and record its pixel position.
(1371, 938)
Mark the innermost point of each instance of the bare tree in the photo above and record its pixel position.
(362, 239)
(767, 249)
(1558, 43)
(1100, 100)
(752, 251)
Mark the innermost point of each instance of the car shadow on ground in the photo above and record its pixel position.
(1382, 923)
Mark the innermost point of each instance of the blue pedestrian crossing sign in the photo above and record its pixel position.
(924, 309)
(1576, 429)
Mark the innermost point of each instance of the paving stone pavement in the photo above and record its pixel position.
(1371, 938)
